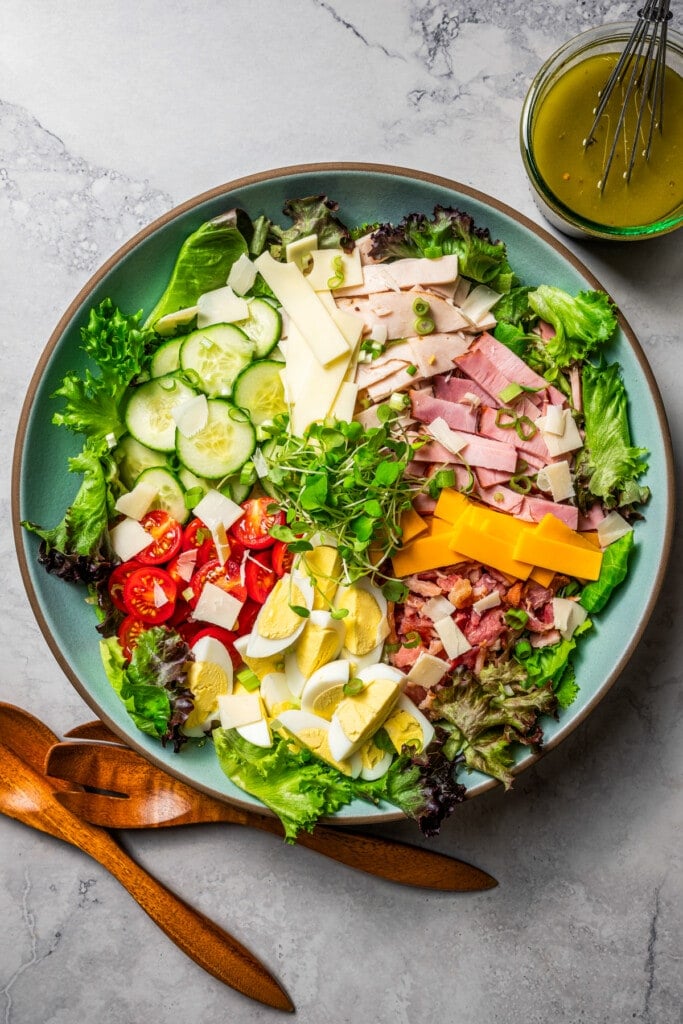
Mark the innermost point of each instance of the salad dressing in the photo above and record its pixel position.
(572, 172)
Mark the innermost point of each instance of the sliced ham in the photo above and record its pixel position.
(514, 368)
(434, 353)
(479, 451)
(533, 445)
(491, 477)
(502, 498)
(535, 509)
(475, 365)
(395, 311)
(458, 416)
(592, 519)
(456, 389)
(403, 274)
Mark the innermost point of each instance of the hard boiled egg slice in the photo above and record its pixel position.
(276, 694)
(277, 625)
(313, 732)
(323, 566)
(365, 626)
(324, 691)
(320, 641)
(407, 725)
(359, 716)
(209, 648)
(208, 681)
(374, 762)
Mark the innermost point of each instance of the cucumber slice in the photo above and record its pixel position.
(259, 390)
(222, 446)
(166, 359)
(216, 355)
(170, 492)
(149, 414)
(239, 492)
(132, 458)
(264, 326)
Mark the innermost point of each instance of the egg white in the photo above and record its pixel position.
(264, 647)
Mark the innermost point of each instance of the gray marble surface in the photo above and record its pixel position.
(112, 113)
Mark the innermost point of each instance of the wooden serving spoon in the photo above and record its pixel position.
(27, 795)
(139, 795)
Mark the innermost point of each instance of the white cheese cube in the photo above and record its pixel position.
(221, 306)
(554, 420)
(239, 709)
(559, 444)
(612, 528)
(452, 440)
(438, 608)
(128, 539)
(451, 636)
(491, 600)
(299, 251)
(191, 416)
(427, 671)
(137, 502)
(242, 275)
(217, 606)
(568, 616)
(216, 510)
(557, 479)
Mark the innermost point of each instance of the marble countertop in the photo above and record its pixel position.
(111, 114)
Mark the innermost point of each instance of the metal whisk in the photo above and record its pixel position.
(644, 56)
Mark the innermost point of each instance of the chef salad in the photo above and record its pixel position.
(351, 496)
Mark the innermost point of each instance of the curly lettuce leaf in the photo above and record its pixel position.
(613, 571)
(153, 685)
(583, 323)
(301, 788)
(486, 717)
(312, 215)
(203, 264)
(119, 347)
(78, 548)
(609, 466)
(449, 232)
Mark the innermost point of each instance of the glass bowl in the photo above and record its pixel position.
(606, 39)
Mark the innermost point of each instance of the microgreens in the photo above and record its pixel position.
(345, 480)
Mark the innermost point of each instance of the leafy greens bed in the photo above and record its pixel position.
(350, 497)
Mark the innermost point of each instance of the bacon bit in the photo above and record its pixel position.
(514, 594)
(461, 594)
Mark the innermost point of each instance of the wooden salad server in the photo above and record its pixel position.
(27, 795)
(152, 799)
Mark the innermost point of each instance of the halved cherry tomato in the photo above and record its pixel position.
(181, 613)
(247, 617)
(252, 529)
(225, 636)
(168, 536)
(197, 535)
(183, 573)
(141, 591)
(129, 633)
(259, 576)
(227, 577)
(282, 557)
(117, 580)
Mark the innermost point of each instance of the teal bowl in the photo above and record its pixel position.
(135, 277)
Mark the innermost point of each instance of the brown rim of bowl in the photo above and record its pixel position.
(281, 172)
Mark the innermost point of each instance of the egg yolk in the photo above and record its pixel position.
(316, 646)
(370, 755)
(327, 702)
(323, 565)
(403, 729)
(207, 681)
(316, 740)
(363, 713)
(277, 621)
(363, 621)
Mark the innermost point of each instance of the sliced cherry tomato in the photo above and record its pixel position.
(168, 536)
(129, 633)
(252, 529)
(189, 629)
(225, 636)
(197, 535)
(142, 590)
(227, 577)
(181, 574)
(282, 557)
(181, 613)
(259, 576)
(247, 617)
(117, 580)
